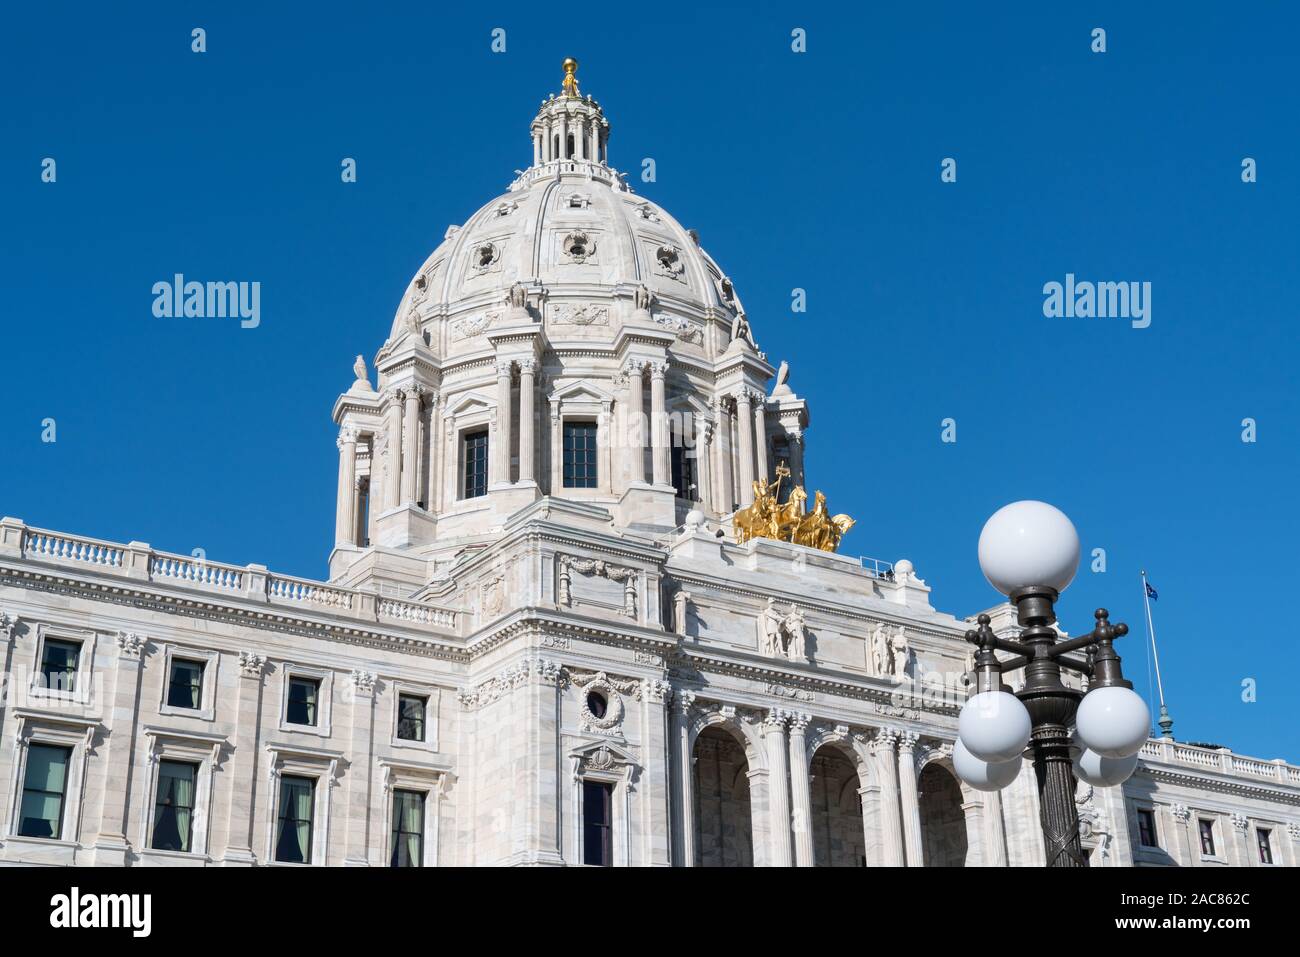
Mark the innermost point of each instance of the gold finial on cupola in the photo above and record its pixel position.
(570, 76)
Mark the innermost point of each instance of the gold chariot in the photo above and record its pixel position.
(769, 517)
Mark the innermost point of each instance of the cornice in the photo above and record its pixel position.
(1242, 787)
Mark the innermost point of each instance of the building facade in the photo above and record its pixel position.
(539, 642)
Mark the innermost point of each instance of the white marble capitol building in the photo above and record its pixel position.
(541, 641)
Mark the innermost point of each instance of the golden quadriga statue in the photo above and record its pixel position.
(787, 521)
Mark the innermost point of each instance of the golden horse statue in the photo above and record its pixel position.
(768, 517)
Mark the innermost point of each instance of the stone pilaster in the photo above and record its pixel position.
(909, 798)
(634, 421)
(500, 455)
(745, 454)
(119, 757)
(760, 438)
(393, 444)
(1181, 815)
(655, 790)
(891, 831)
(361, 689)
(778, 792)
(1241, 841)
(683, 780)
(243, 765)
(411, 445)
(800, 790)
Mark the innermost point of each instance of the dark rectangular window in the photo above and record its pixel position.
(293, 842)
(1147, 828)
(44, 788)
(304, 701)
(185, 687)
(579, 454)
(1265, 846)
(408, 829)
(59, 664)
(597, 823)
(683, 469)
(173, 810)
(410, 717)
(474, 464)
(1206, 829)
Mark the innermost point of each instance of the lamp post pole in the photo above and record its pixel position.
(1050, 702)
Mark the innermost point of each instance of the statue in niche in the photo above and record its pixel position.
(641, 299)
(881, 663)
(518, 296)
(901, 652)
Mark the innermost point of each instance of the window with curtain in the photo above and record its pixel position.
(1206, 829)
(304, 701)
(579, 454)
(598, 823)
(185, 685)
(59, 664)
(474, 464)
(1265, 846)
(410, 717)
(1147, 828)
(293, 837)
(44, 788)
(408, 829)
(173, 810)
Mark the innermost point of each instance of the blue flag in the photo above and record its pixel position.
(1151, 592)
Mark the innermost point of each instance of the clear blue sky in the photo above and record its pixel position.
(818, 171)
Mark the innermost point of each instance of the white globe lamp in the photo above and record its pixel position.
(1027, 544)
(1114, 722)
(1102, 772)
(983, 775)
(994, 726)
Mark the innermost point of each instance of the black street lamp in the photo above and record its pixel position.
(1030, 552)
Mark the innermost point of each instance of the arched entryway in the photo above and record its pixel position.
(724, 832)
(838, 837)
(943, 821)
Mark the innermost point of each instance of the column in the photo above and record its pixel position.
(683, 780)
(361, 689)
(410, 444)
(891, 832)
(634, 433)
(909, 799)
(724, 498)
(580, 138)
(659, 457)
(537, 148)
(239, 803)
(501, 459)
(110, 845)
(779, 790)
(527, 469)
(800, 789)
(760, 438)
(745, 454)
(704, 464)
(995, 836)
(436, 452)
(345, 521)
(796, 458)
(595, 140)
(392, 482)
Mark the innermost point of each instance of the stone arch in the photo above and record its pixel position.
(837, 797)
(723, 812)
(945, 839)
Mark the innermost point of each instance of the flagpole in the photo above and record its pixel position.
(1166, 723)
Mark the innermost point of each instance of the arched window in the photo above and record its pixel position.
(568, 149)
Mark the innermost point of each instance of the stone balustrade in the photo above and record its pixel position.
(1221, 760)
(252, 582)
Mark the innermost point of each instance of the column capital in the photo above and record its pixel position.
(251, 664)
(683, 702)
(8, 623)
(634, 367)
(658, 369)
(656, 690)
(394, 394)
(347, 436)
(414, 391)
(798, 721)
(1240, 822)
(743, 396)
(505, 368)
(885, 740)
(907, 740)
(775, 720)
(527, 366)
(1181, 813)
(130, 645)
